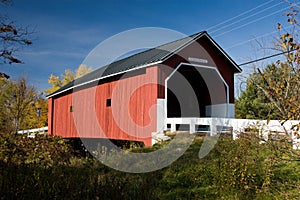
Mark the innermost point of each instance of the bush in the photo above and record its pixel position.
(44, 168)
(44, 150)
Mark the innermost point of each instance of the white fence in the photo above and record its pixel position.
(33, 132)
(266, 128)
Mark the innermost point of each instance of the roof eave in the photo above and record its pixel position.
(100, 78)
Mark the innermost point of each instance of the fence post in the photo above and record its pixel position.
(173, 127)
(192, 126)
(264, 135)
(296, 140)
(213, 127)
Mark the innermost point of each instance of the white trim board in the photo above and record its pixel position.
(193, 65)
(103, 77)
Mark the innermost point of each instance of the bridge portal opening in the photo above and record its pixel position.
(192, 90)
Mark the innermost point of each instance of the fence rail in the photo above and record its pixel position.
(32, 132)
(266, 128)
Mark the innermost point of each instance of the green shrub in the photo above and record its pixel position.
(44, 168)
(44, 150)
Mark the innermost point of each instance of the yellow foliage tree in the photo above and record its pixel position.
(59, 81)
(82, 70)
(19, 103)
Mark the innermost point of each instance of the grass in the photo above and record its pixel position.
(240, 169)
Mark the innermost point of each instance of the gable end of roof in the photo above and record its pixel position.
(140, 60)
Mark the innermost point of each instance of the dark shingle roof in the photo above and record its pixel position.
(154, 55)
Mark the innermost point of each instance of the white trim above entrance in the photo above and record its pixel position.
(196, 66)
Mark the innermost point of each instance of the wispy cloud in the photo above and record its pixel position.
(53, 53)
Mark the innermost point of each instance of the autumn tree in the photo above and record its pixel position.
(18, 105)
(59, 81)
(276, 87)
(38, 114)
(283, 91)
(278, 82)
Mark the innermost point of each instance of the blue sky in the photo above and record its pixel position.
(67, 30)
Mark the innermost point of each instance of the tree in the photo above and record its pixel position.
(278, 83)
(38, 114)
(56, 83)
(269, 94)
(252, 104)
(18, 105)
(283, 91)
(12, 38)
(289, 38)
(82, 70)
(59, 81)
(277, 86)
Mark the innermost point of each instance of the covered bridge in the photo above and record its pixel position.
(136, 97)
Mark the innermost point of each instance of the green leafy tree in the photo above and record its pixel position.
(252, 104)
(267, 92)
(59, 81)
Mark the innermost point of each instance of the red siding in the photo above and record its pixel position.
(63, 123)
(203, 50)
(132, 115)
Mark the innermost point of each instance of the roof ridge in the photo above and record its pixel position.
(191, 36)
